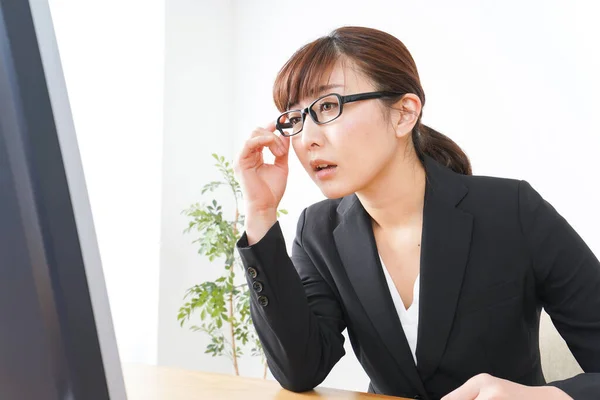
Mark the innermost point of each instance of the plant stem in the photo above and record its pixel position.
(232, 274)
(233, 345)
(265, 370)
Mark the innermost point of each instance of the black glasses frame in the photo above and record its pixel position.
(342, 99)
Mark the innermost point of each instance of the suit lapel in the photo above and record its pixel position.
(445, 249)
(358, 251)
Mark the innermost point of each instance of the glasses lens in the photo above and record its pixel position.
(290, 122)
(326, 109)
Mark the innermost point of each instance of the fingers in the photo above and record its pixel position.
(270, 126)
(265, 137)
(470, 389)
(277, 145)
(282, 160)
(256, 144)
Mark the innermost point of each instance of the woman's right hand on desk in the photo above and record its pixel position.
(263, 185)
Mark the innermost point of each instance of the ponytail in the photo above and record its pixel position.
(428, 141)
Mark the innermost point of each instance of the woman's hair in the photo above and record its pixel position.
(382, 58)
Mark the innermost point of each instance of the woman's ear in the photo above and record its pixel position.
(408, 111)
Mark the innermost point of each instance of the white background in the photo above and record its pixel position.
(157, 86)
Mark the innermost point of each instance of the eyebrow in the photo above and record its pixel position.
(319, 91)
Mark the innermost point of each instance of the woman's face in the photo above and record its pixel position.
(360, 144)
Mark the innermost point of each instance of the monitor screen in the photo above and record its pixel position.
(56, 334)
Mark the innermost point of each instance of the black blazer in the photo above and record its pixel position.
(493, 254)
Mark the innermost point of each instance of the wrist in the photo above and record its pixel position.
(258, 224)
(261, 213)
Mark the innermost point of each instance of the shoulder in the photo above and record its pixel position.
(471, 191)
(495, 191)
(498, 200)
(507, 201)
(491, 185)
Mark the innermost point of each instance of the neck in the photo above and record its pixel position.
(395, 198)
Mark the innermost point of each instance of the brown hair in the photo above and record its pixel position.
(382, 58)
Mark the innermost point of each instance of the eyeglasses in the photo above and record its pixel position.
(323, 110)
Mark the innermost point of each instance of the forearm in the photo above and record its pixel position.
(300, 347)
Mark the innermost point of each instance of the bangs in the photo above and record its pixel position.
(302, 74)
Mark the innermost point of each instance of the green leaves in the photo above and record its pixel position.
(211, 187)
(217, 235)
(222, 306)
(217, 345)
(209, 298)
(228, 175)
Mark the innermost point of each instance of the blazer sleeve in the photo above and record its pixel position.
(568, 284)
(295, 312)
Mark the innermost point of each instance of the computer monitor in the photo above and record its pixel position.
(56, 334)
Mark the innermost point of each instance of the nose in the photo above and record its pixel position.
(312, 134)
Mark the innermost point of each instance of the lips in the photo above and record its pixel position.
(319, 164)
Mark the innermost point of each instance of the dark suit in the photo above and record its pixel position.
(493, 254)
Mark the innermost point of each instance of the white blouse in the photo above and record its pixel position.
(409, 318)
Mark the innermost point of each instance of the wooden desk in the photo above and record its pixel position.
(145, 382)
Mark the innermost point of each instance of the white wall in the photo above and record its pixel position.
(112, 54)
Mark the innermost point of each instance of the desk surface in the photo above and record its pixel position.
(146, 382)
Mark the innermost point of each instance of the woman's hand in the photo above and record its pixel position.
(487, 387)
(263, 185)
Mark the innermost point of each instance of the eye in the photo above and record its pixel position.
(295, 120)
(328, 106)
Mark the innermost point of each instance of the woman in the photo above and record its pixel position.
(438, 275)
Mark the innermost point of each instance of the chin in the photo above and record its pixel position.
(335, 191)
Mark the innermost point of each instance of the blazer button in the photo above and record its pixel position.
(257, 286)
(263, 301)
(252, 272)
